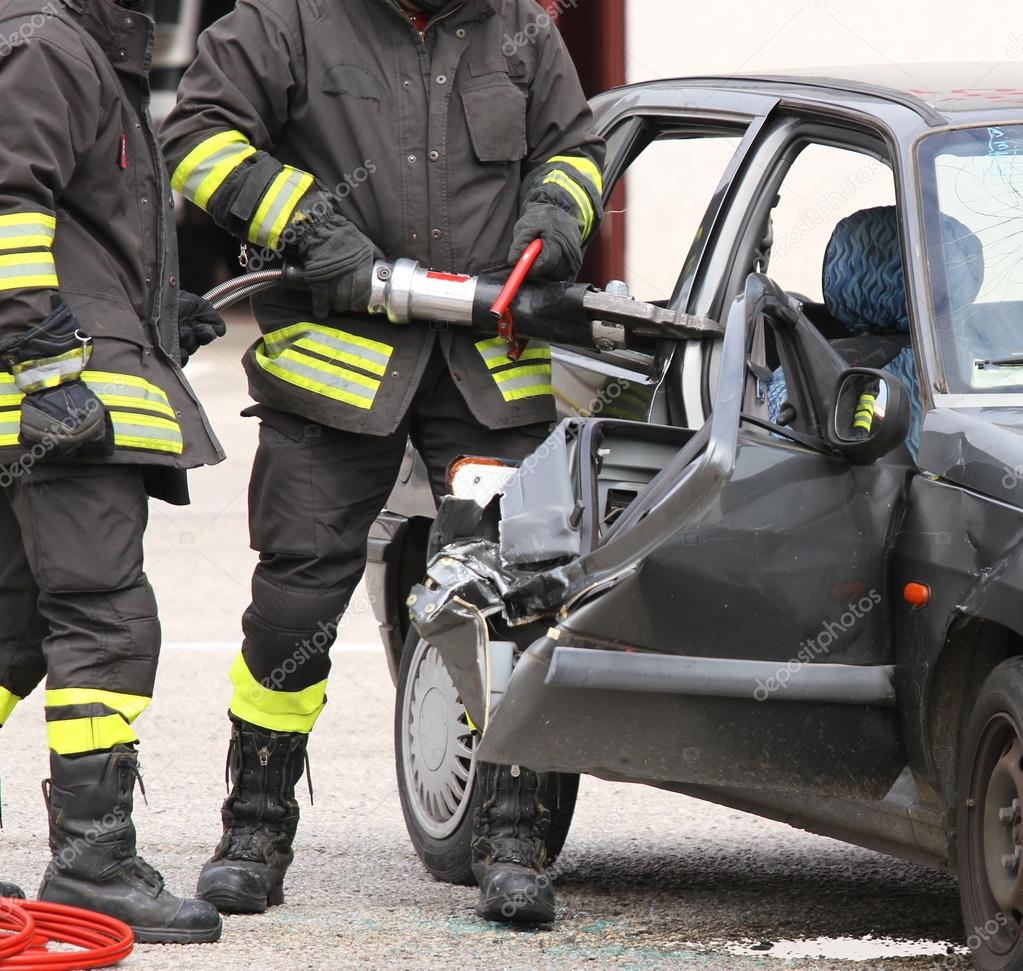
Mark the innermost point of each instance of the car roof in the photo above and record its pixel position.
(939, 94)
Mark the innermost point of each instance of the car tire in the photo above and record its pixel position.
(435, 760)
(989, 826)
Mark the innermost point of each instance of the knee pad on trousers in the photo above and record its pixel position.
(289, 633)
(109, 640)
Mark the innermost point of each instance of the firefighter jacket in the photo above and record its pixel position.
(427, 141)
(85, 214)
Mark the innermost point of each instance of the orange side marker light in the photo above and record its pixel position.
(917, 594)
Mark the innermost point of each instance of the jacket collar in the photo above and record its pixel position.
(108, 22)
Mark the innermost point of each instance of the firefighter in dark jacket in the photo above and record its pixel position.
(333, 133)
(95, 415)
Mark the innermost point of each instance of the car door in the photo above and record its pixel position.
(669, 162)
(744, 638)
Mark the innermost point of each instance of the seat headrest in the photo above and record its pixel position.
(864, 281)
(864, 284)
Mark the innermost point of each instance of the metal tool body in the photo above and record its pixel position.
(574, 314)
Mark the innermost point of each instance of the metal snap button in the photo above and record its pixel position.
(442, 79)
(434, 155)
(436, 234)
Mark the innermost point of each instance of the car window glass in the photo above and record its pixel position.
(668, 188)
(823, 186)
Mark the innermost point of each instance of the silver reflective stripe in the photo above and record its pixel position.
(493, 353)
(309, 340)
(285, 191)
(10, 426)
(12, 269)
(145, 398)
(124, 426)
(206, 166)
(310, 377)
(51, 373)
(28, 228)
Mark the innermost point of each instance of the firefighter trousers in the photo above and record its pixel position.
(314, 494)
(75, 605)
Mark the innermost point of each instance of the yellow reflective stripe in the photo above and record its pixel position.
(585, 166)
(332, 342)
(129, 706)
(28, 219)
(21, 230)
(35, 270)
(146, 431)
(504, 377)
(123, 401)
(580, 198)
(498, 356)
(110, 382)
(7, 702)
(24, 242)
(72, 736)
(524, 382)
(278, 206)
(318, 377)
(10, 423)
(204, 169)
(277, 711)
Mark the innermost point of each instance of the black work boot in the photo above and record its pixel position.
(246, 873)
(509, 846)
(11, 890)
(95, 865)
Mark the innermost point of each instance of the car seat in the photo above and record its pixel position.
(864, 288)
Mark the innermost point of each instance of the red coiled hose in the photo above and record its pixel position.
(28, 926)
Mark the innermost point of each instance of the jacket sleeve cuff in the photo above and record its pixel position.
(573, 182)
(53, 353)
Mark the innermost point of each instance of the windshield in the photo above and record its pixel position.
(973, 216)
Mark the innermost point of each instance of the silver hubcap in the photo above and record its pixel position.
(438, 750)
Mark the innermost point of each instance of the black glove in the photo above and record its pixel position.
(68, 421)
(337, 260)
(562, 253)
(198, 324)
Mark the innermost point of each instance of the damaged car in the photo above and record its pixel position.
(780, 570)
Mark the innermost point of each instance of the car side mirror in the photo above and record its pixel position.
(871, 415)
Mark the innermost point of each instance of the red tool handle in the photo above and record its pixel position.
(515, 280)
(500, 311)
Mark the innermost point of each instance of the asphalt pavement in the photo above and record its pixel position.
(647, 880)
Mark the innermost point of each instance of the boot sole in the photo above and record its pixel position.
(230, 902)
(171, 935)
(510, 910)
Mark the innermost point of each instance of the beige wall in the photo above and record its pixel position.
(669, 38)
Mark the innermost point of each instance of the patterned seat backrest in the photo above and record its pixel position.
(864, 283)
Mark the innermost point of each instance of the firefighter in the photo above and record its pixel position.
(95, 416)
(333, 134)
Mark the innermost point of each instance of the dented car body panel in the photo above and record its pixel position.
(712, 603)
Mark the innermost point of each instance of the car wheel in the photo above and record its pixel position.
(435, 758)
(990, 829)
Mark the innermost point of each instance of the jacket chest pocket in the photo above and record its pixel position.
(495, 114)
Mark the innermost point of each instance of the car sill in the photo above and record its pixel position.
(841, 684)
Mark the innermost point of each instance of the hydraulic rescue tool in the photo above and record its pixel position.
(575, 314)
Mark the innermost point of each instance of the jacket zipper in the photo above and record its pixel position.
(421, 34)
